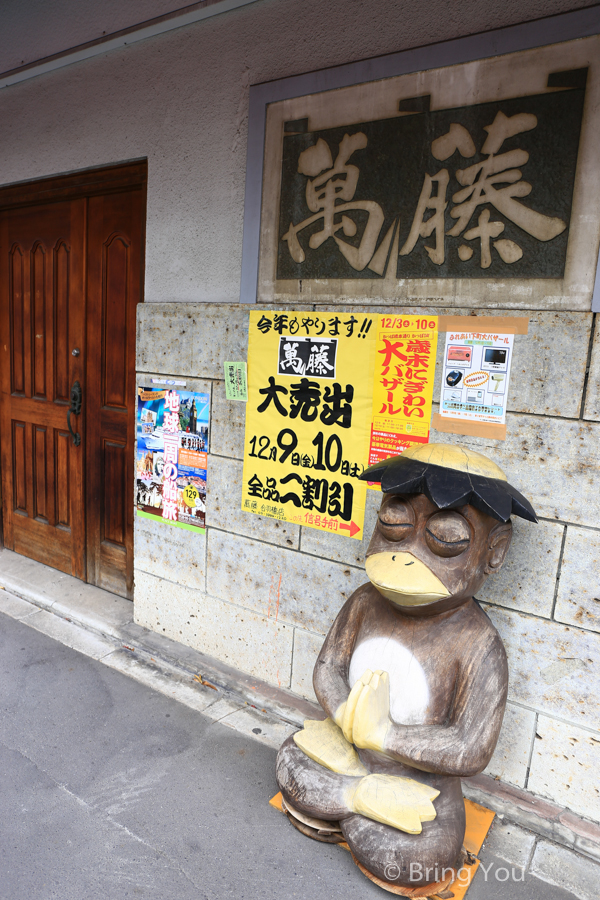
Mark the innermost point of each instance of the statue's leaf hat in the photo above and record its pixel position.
(451, 477)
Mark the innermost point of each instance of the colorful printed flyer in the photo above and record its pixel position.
(308, 418)
(403, 385)
(172, 447)
(475, 376)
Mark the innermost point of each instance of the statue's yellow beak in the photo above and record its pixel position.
(404, 579)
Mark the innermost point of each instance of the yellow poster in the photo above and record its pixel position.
(308, 418)
(403, 384)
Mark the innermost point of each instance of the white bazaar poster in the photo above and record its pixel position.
(476, 375)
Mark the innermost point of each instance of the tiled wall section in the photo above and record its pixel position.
(260, 594)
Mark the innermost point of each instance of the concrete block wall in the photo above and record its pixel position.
(260, 594)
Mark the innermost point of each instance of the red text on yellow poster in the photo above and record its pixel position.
(403, 384)
(308, 418)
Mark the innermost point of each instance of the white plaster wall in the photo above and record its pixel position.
(33, 29)
(180, 99)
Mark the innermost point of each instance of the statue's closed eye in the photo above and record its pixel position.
(396, 519)
(447, 533)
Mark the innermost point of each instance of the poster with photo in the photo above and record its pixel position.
(172, 448)
(476, 376)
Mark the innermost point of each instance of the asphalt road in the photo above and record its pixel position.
(109, 791)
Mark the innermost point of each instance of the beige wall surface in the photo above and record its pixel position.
(181, 100)
(261, 594)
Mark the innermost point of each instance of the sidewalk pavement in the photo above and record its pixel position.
(133, 786)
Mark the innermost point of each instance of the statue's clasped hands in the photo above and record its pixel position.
(363, 721)
(364, 717)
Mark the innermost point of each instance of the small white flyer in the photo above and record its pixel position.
(476, 374)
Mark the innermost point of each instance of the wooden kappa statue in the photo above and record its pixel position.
(412, 675)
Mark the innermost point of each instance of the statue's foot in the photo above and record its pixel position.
(324, 742)
(393, 799)
(403, 803)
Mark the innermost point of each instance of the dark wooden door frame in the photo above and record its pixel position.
(86, 183)
(73, 185)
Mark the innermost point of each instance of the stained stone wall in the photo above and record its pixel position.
(260, 594)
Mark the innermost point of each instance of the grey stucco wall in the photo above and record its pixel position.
(261, 594)
(35, 29)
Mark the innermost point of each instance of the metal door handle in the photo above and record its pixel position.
(75, 408)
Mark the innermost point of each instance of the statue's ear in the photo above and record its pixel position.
(498, 543)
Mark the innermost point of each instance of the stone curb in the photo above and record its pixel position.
(145, 664)
(99, 613)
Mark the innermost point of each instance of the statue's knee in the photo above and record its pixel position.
(309, 786)
(407, 859)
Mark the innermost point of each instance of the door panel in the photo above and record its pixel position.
(62, 351)
(62, 450)
(39, 302)
(16, 301)
(20, 475)
(116, 262)
(41, 462)
(114, 285)
(115, 486)
(42, 308)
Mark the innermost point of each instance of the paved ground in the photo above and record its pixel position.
(109, 789)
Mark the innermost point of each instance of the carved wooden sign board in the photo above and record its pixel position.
(438, 186)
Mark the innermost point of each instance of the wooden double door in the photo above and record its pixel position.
(71, 275)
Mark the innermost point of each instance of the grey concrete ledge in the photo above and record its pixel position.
(240, 700)
(536, 814)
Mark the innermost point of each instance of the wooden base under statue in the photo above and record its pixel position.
(431, 891)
